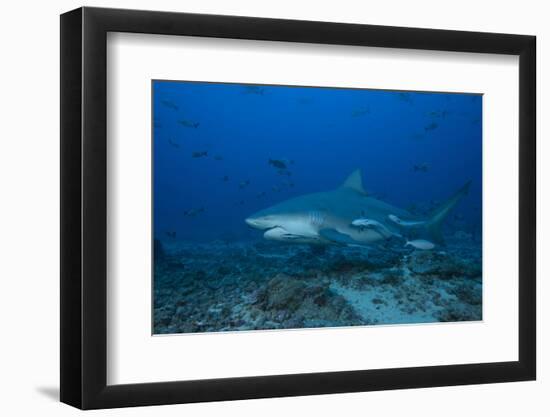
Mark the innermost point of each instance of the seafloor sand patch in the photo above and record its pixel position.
(222, 286)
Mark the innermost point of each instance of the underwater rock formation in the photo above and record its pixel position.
(442, 265)
(253, 285)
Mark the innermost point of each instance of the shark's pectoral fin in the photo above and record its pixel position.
(336, 237)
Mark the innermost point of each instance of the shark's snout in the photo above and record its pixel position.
(252, 222)
(262, 221)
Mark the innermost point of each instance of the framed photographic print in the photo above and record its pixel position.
(257, 208)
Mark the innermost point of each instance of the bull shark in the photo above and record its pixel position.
(327, 218)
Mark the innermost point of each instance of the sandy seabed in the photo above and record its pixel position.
(259, 285)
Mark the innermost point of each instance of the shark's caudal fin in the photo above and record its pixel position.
(355, 182)
(434, 224)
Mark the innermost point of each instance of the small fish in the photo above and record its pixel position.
(304, 100)
(261, 194)
(225, 178)
(193, 212)
(276, 188)
(420, 244)
(405, 97)
(277, 163)
(171, 234)
(417, 136)
(421, 168)
(244, 184)
(188, 123)
(199, 154)
(253, 89)
(360, 112)
(239, 203)
(173, 143)
(169, 104)
(218, 158)
(439, 114)
(431, 126)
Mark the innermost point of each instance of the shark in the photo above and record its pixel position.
(336, 217)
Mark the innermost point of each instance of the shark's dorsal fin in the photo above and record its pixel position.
(355, 182)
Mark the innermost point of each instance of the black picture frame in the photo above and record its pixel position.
(84, 207)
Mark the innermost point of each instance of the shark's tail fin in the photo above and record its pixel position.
(434, 224)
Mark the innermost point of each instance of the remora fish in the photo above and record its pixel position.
(325, 217)
(364, 223)
(406, 223)
(420, 244)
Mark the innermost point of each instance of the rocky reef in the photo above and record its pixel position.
(229, 286)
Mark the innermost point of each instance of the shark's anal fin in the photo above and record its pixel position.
(336, 237)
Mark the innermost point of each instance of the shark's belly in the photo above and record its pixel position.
(363, 236)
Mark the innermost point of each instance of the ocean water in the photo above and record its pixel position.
(224, 152)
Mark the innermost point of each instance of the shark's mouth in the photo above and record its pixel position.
(280, 233)
(291, 236)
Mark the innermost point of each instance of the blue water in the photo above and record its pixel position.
(325, 131)
(212, 143)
